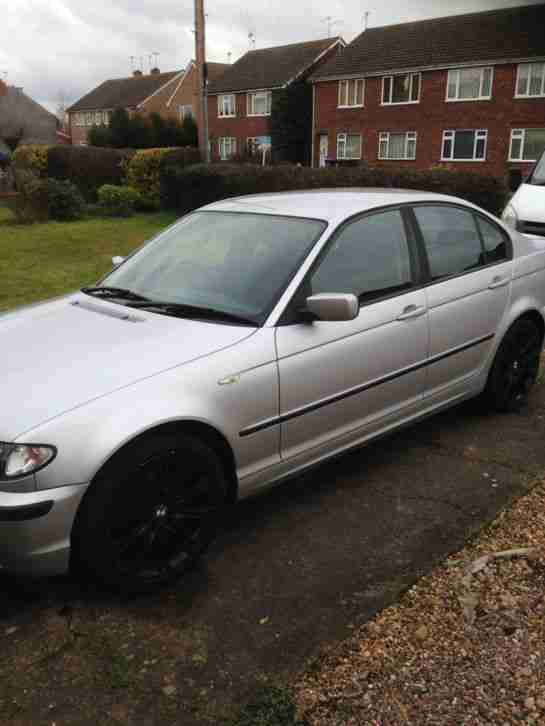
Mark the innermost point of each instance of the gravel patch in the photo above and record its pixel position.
(458, 648)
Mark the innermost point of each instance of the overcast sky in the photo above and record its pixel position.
(64, 48)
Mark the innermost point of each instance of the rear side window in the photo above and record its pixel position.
(494, 240)
(451, 238)
(369, 258)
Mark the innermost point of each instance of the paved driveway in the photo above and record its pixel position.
(294, 570)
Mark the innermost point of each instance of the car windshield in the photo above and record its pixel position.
(538, 175)
(235, 263)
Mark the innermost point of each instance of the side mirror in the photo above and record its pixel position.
(333, 306)
(117, 260)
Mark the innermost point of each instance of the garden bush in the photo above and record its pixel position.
(31, 157)
(32, 201)
(185, 189)
(87, 167)
(65, 201)
(145, 168)
(117, 201)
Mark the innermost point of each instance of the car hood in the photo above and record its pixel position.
(61, 354)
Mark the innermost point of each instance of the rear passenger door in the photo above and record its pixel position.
(468, 259)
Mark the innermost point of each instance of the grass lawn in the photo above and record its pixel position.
(44, 260)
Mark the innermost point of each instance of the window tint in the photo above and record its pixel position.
(369, 258)
(451, 239)
(494, 240)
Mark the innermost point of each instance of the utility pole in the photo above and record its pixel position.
(200, 57)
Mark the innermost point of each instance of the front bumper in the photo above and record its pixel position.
(35, 530)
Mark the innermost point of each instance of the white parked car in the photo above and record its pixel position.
(251, 340)
(526, 209)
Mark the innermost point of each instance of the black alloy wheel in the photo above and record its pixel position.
(515, 367)
(151, 523)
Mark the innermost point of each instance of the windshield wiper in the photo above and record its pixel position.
(193, 311)
(119, 292)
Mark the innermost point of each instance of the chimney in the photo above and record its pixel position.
(155, 71)
(137, 73)
(3, 89)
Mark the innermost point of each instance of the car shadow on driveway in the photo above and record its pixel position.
(292, 571)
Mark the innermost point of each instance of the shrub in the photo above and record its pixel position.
(186, 189)
(65, 201)
(87, 167)
(117, 201)
(31, 157)
(145, 168)
(32, 201)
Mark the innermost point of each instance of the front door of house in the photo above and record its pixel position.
(323, 149)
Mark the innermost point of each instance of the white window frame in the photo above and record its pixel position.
(521, 134)
(182, 111)
(97, 121)
(465, 99)
(401, 103)
(232, 103)
(222, 144)
(528, 94)
(450, 134)
(346, 83)
(106, 118)
(89, 118)
(250, 97)
(343, 138)
(384, 138)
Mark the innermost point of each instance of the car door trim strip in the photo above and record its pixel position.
(361, 388)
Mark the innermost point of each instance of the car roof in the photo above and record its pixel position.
(331, 205)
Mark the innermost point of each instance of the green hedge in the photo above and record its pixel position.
(187, 189)
(87, 167)
(144, 171)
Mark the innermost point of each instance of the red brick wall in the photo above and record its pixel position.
(429, 119)
(240, 127)
(186, 94)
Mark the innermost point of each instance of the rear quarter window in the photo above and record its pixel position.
(451, 239)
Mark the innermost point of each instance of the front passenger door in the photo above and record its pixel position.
(340, 381)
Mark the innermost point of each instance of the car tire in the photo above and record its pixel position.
(150, 513)
(515, 367)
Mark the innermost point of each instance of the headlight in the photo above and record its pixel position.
(510, 217)
(22, 459)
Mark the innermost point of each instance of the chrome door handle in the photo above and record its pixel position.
(498, 282)
(412, 311)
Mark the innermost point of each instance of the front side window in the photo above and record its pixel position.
(349, 146)
(88, 119)
(404, 88)
(469, 84)
(451, 239)
(227, 147)
(397, 145)
(465, 145)
(351, 93)
(98, 118)
(226, 105)
(259, 103)
(238, 263)
(369, 258)
(530, 80)
(526, 144)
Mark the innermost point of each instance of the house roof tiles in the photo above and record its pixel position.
(509, 33)
(270, 67)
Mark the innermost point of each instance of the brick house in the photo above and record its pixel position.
(460, 92)
(240, 101)
(172, 95)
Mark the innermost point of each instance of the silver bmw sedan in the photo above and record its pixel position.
(254, 338)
